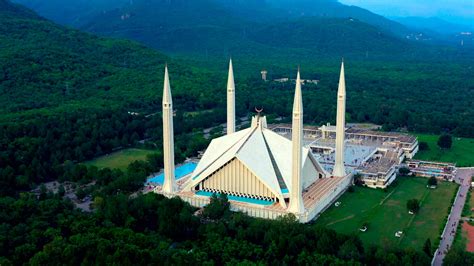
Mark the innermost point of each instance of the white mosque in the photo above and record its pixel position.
(263, 173)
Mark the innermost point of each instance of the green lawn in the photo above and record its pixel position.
(460, 153)
(120, 159)
(460, 240)
(386, 213)
(466, 212)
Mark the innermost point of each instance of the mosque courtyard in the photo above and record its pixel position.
(385, 213)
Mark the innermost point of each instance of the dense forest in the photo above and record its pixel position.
(151, 229)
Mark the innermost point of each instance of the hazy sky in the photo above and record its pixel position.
(454, 10)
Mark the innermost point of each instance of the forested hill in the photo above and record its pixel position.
(45, 65)
(8, 8)
(68, 96)
(209, 27)
(331, 36)
(249, 28)
(334, 9)
(72, 12)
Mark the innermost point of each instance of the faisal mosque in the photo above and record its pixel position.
(263, 173)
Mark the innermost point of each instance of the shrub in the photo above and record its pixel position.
(432, 181)
(404, 171)
(218, 208)
(413, 205)
(423, 146)
(445, 141)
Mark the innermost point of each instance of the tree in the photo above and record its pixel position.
(445, 141)
(80, 193)
(404, 171)
(218, 208)
(155, 160)
(457, 257)
(423, 146)
(413, 205)
(358, 179)
(61, 190)
(43, 191)
(351, 249)
(432, 181)
(427, 247)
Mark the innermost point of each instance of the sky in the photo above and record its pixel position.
(458, 11)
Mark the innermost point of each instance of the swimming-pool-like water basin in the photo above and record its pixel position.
(179, 172)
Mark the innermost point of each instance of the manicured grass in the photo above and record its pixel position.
(386, 213)
(460, 153)
(466, 212)
(460, 240)
(120, 159)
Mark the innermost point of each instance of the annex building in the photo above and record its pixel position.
(374, 154)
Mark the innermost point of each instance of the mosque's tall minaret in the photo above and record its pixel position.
(169, 183)
(296, 200)
(339, 169)
(230, 100)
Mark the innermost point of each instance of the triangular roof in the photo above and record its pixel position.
(264, 152)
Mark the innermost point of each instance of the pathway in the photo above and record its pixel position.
(463, 177)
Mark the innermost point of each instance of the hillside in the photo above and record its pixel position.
(47, 66)
(171, 25)
(11, 9)
(69, 96)
(334, 9)
(81, 12)
(208, 27)
(331, 36)
(433, 24)
(247, 28)
(75, 12)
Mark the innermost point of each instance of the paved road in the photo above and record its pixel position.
(463, 177)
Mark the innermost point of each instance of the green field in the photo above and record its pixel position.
(466, 212)
(460, 240)
(386, 213)
(461, 153)
(120, 159)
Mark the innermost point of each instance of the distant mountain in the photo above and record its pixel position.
(173, 25)
(433, 24)
(81, 12)
(211, 26)
(72, 12)
(248, 27)
(334, 9)
(331, 36)
(11, 9)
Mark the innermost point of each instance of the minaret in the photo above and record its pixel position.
(169, 183)
(339, 169)
(230, 101)
(296, 200)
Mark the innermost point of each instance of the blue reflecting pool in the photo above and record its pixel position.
(179, 172)
(237, 198)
